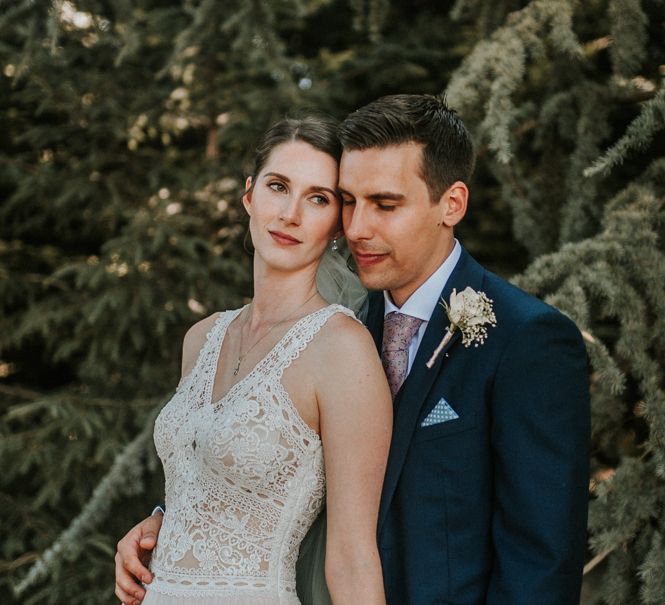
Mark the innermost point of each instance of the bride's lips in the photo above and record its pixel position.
(367, 259)
(284, 239)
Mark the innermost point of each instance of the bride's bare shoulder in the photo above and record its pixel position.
(349, 370)
(345, 335)
(193, 341)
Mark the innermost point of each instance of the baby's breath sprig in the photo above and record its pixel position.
(469, 312)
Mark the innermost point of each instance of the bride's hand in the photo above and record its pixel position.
(132, 558)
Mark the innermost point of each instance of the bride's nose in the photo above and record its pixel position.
(290, 210)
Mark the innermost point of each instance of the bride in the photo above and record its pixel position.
(283, 404)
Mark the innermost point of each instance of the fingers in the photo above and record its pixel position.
(149, 529)
(148, 541)
(131, 569)
(125, 598)
(126, 587)
(132, 558)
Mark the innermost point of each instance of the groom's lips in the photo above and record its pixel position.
(367, 259)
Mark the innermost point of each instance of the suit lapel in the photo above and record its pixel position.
(375, 318)
(416, 387)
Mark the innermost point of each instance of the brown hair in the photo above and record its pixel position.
(448, 154)
(318, 131)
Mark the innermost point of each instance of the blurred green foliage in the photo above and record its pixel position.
(126, 133)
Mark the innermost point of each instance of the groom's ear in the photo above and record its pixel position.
(247, 198)
(453, 204)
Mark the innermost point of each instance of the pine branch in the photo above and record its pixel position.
(628, 35)
(582, 209)
(497, 67)
(593, 563)
(651, 572)
(124, 478)
(638, 135)
(34, 396)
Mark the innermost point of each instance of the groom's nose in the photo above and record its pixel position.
(356, 222)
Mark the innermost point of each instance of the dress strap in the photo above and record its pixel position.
(301, 334)
(206, 362)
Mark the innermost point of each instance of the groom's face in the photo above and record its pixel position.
(395, 232)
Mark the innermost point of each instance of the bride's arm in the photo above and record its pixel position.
(355, 413)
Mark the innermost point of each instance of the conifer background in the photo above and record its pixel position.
(126, 128)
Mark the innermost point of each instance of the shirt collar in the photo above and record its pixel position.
(422, 302)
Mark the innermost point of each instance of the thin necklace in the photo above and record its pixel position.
(290, 316)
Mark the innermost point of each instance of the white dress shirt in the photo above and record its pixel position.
(423, 301)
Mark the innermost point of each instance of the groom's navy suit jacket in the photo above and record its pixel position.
(489, 508)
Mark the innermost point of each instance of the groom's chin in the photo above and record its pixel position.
(372, 280)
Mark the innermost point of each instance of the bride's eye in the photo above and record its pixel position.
(321, 200)
(277, 186)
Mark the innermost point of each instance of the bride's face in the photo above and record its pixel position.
(293, 206)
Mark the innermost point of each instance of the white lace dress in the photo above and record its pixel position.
(244, 480)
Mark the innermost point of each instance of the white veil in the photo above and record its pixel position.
(337, 284)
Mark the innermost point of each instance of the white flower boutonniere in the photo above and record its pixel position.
(467, 312)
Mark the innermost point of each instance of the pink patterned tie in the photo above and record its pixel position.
(398, 330)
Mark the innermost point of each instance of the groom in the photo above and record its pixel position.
(485, 495)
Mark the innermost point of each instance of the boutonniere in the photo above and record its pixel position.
(467, 312)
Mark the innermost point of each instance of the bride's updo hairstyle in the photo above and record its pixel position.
(318, 131)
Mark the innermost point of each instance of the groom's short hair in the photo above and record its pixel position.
(448, 154)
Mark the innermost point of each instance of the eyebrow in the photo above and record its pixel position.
(312, 188)
(378, 196)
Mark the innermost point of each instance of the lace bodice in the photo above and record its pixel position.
(244, 475)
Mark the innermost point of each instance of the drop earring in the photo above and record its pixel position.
(334, 247)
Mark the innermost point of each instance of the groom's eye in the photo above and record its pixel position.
(348, 202)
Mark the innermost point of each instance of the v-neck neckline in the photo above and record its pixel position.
(217, 402)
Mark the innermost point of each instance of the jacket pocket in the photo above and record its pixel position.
(444, 429)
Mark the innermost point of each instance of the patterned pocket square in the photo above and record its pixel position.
(442, 412)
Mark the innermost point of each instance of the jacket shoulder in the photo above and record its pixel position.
(519, 308)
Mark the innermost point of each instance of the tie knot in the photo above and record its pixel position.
(398, 330)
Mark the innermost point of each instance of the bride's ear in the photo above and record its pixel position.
(247, 198)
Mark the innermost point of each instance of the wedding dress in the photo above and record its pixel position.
(244, 480)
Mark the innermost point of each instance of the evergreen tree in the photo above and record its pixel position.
(125, 134)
